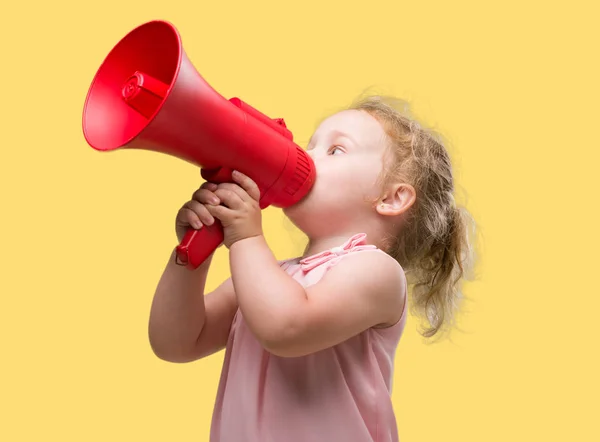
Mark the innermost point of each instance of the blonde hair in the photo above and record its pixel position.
(434, 247)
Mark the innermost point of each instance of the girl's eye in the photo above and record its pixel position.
(336, 150)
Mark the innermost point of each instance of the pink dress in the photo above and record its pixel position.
(338, 394)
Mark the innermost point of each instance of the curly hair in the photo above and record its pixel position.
(434, 247)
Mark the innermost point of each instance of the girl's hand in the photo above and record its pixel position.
(239, 211)
(194, 213)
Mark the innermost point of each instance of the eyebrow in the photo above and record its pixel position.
(339, 133)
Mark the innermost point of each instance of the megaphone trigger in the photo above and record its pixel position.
(218, 175)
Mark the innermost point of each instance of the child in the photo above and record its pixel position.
(310, 341)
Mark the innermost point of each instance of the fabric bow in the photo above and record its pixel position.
(355, 243)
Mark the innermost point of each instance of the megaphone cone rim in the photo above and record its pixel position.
(105, 61)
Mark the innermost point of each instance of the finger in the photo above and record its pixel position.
(188, 218)
(209, 186)
(233, 187)
(230, 198)
(201, 212)
(222, 213)
(247, 184)
(205, 196)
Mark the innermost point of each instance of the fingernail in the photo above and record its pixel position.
(197, 224)
(236, 174)
(215, 201)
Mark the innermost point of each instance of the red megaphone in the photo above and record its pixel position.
(147, 95)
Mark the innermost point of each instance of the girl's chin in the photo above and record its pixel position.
(313, 223)
(297, 210)
(295, 215)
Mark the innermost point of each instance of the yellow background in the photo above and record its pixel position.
(84, 237)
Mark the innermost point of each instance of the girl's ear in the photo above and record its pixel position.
(397, 200)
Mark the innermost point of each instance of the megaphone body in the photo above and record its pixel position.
(147, 95)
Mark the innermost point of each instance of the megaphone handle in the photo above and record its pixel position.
(197, 245)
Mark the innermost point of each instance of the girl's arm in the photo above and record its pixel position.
(363, 290)
(184, 324)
